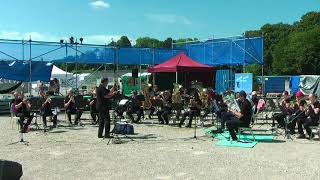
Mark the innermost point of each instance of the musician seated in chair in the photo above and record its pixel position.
(165, 97)
(147, 104)
(22, 107)
(206, 99)
(70, 105)
(195, 107)
(312, 117)
(47, 111)
(222, 113)
(122, 105)
(93, 109)
(285, 110)
(240, 118)
(135, 107)
(296, 113)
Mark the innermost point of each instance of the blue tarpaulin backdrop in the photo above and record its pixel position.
(20, 70)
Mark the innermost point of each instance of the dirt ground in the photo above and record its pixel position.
(156, 152)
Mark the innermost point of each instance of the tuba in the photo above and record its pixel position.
(204, 97)
(147, 98)
(176, 96)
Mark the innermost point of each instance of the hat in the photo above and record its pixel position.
(242, 93)
(104, 79)
(299, 94)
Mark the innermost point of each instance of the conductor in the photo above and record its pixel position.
(104, 96)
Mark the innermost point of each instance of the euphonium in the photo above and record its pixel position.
(204, 97)
(176, 96)
(147, 101)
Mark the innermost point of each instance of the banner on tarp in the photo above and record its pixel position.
(243, 82)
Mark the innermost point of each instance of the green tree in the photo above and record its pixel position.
(124, 42)
(299, 54)
(147, 42)
(167, 43)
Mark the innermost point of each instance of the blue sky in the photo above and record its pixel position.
(100, 21)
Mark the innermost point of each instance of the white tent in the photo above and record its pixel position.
(139, 74)
(60, 74)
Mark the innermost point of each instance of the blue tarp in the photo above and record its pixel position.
(237, 51)
(294, 84)
(20, 70)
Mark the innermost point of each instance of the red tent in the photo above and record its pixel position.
(180, 63)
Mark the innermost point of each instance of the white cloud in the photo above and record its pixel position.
(169, 18)
(100, 39)
(37, 36)
(99, 4)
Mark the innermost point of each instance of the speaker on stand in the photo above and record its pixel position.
(135, 72)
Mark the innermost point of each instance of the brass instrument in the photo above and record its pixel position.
(176, 96)
(147, 104)
(232, 103)
(204, 97)
(165, 95)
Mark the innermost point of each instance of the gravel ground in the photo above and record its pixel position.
(156, 152)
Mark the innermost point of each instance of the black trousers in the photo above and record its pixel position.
(163, 115)
(78, 114)
(104, 123)
(120, 110)
(306, 122)
(152, 109)
(22, 116)
(233, 124)
(225, 116)
(138, 110)
(279, 117)
(191, 114)
(44, 118)
(94, 115)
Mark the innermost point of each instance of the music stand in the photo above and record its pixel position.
(36, 105)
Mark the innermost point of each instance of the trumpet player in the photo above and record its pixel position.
(312, 117)
(22, 107)
(70, 105)
(47, 111)
(195, 107)
(285, 110)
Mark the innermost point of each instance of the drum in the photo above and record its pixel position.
(123, 128)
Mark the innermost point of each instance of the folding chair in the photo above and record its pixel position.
(244, 129)
(14, 118)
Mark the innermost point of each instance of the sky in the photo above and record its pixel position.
(100, 21)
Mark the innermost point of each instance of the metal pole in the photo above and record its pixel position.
(154, 74)
(30, 67)
(66, 68)
(244, 56)
(139, 74)
(76, 65)
(177, 77)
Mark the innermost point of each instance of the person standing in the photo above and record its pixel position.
(104, 96)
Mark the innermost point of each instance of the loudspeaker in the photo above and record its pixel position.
(10, 170)
(135, 73)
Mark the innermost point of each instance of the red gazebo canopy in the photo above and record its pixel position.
(180, 63)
